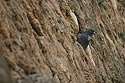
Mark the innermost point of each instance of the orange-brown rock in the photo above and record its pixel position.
(38, 41)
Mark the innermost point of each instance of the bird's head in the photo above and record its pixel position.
(89, 32)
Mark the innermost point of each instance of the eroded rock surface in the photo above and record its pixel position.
(40, 46)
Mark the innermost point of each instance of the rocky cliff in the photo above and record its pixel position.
(37, 38)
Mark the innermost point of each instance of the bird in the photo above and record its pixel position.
(83, 38)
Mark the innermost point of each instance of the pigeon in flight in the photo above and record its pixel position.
(84, 37)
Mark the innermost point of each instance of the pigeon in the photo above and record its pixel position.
(83, 38)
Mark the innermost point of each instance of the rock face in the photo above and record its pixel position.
(38, 38)
(4, 70)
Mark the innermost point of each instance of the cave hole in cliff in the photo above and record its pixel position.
(108, 31)
(109, 16)
(86, 60)
(101, 25)
(9, 47)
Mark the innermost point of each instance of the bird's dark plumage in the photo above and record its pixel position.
(84, 37)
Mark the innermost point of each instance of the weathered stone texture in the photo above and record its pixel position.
(38, 38)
